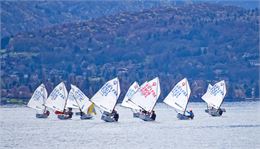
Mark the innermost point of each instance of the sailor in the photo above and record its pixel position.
(82, 113)
(144, 112)
(220, 111)
(116, 115)
(69, 113)
(47, 113)
(191, 114)
(153, 115)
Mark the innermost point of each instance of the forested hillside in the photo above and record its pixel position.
(203, 42)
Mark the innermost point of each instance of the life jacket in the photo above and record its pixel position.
(58, 112)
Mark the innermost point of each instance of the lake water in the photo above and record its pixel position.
(238, 128)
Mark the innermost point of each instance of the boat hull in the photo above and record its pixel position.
(41, 115)
(107, 118)
(136, 114)
(215, 112)
(63, 117)
(145, 117)
(86, 116)
(184, 117)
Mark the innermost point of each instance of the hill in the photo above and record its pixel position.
(27, 16)
(17, 16)
(203, 42)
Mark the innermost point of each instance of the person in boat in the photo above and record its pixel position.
(82, 113)
(153, 115)
(191, 114)
(220, 111)
(115, 115)
(144, 112)
(47, 113)
(68, 113)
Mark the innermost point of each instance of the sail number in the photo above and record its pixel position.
(130, 93)
(79, 95)
(177, 91)
(216, 90)
(107, 88)
(55, 93)
(37, 95)
(148, 90)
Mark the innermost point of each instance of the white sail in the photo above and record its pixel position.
(80, 98)
(207, 92)
(215, 94)
(38, 98)
(57, 98)
(71, 101)
(209, 87)
(147, 95)
(179, 96)
(107, 96)
(131, 91)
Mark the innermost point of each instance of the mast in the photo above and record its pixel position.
(77, 102)
(187, 98)
(44, 102)
(156, 95)
(66, 98)
(224, 96)
(137, 105)
(117, 97)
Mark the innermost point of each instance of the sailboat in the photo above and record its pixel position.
(146, 98)
(78, 100)
(37, 102)
(214, 97)
(58, 99)
(71, 101)
(106, 99)
(178, 99)
(128, 104)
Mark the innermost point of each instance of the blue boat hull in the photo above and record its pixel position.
(145, 117)
(215, 112)
(63, 117)
(41, 116)
(183, 117)
(136, 115)
(86, 117)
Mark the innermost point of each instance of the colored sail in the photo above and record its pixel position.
(107, 96)
(57, 98)
(131, 91)
(215, 94)
(91, 109)
(38, 98)
(179, 96)
(147, 95)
